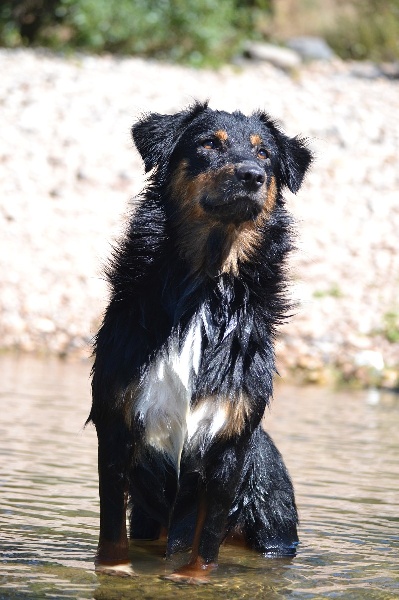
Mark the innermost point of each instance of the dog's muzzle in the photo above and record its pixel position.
(241, 195)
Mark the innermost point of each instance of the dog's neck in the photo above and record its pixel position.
(212, 248)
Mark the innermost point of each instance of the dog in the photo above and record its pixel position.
(184, 358)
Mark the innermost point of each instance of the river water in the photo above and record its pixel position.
(342, 450)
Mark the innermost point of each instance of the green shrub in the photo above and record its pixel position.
(178, 29)
(198, 32)
(391, 326)
(21, 21)
(194, 31)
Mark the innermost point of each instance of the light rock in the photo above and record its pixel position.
(284, 58)
(311, 48)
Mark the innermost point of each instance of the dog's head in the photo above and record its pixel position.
(223, 166)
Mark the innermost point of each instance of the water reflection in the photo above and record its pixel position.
(341, 449)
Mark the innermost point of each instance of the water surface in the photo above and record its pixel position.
(341, 449)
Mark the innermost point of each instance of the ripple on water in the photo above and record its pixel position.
(342, 452)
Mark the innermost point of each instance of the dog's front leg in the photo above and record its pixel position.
(217, 491)
(113, 546)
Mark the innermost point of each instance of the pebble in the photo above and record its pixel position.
(68, 171)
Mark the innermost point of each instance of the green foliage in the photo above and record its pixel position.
(372, 32)
(9, 33)
(193, 31)
(391, 326)
(198, 32)
(22, 20)
(334, 291)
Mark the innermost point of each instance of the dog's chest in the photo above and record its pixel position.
(163, 404)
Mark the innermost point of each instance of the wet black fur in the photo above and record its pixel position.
(154, 293)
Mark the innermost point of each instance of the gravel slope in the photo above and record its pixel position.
(67, 171)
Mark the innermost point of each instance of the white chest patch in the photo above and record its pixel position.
(163, 404)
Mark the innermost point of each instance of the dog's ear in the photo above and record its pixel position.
(294, 158)
(155, 136)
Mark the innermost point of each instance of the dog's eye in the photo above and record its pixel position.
(209, 144)
(263, 154)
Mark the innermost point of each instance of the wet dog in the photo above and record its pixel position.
(184, 358)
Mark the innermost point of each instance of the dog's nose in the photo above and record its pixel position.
(250, 175)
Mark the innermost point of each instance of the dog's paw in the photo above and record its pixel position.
(121, 570)
(196, 573)
(180, 578)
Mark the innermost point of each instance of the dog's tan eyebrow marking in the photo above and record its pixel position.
(221, 134)
(256, 140)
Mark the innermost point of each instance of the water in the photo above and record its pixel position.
(342, 451)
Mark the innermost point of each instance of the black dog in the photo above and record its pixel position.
(184, 359)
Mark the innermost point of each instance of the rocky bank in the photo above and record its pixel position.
(68, 170)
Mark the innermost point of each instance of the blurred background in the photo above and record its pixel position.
(77, 73)
(201, 32)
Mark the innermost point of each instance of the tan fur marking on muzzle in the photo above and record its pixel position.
(246, 238)
(187, 191)
(195, 224)
(271, 196)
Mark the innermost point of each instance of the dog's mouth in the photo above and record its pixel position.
(233, 209)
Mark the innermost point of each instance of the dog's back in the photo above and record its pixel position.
(184, 358)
